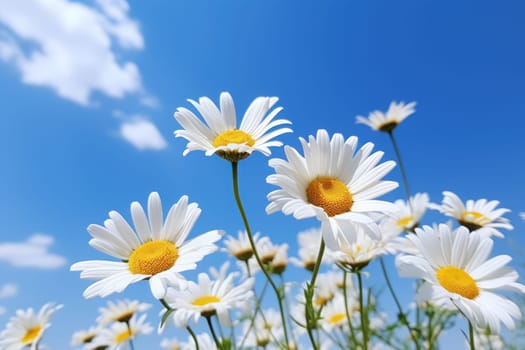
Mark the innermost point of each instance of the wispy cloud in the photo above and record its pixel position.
(142, 134)
(8, 290)
(69, 46)
(34, 252)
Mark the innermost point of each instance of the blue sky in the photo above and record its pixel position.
(89, 88)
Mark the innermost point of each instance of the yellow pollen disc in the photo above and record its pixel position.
(32, 334)
(330, 194)
(128, 333)
(205, 300)
(455, 280)
(336, 318)
(403, 222)
(233, 136)
(477, 216)
(153, 257)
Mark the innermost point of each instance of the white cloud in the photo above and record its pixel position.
(34, 252)
(8, 290)
(142, 134)
(69, 46)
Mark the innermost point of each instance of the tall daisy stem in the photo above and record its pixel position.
(402, 315)
(194, 337)
(471, 336)
(130, 340)
(214, 335)
(401, 167)
(310, 324)
(347, 310)
(235, 177)
(362, 311)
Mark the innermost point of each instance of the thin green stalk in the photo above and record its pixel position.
(214, 335)
(471, 336)
(362, 311)
(310, 293)
(401, 167)
(194, 337)
(348, 316)
(257, 309)
(235, 177)
(402, 315)
(130, 340)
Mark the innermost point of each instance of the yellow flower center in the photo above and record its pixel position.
(336, 318)
(455, 280)
(404, 222)
(32, 334)
(233, 136)
(121, 337)
(153, 257)
(205, 300)
(476, 216)
(330, 194)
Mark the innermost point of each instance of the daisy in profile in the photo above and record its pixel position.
(207, 298)
(309, 242)
(220, 134)
(359, 244)
(170, 344)
(459, 275)
(387, 122)
(27, 328)
(120, 311)
(331, 183)
(156, 251)
(84, 337)
(240, 247)
(119, 335)
(407, 216)
(475, 215)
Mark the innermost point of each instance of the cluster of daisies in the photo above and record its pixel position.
(339, 183)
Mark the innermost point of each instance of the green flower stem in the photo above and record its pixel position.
(362, 311)
(402, 315)
(257, 309)
(194, 337)
(471, 336)
(235, 177)
(348, 315)
(310, 294)
(214, 335)
(401, 167)
(130, 341)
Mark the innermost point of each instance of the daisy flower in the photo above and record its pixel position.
(458, 275)
(475, 215)
(121, 311)
(27, 328)
(264, 330)
(220, 135)
(330, 183)
(359, 244)
(84, 337)
(309, 242)
(333, 315)
(118, 336)
(386, 122)
(170, 344)
(156, 251)
(204, 340)
(407, 216)
(240, 248)
(207, 298)
(280, 260)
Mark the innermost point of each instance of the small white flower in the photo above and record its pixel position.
(220, 135)
(397, 112)
(309, 243)
(240, 247)
(476, 215)
(407, 216)
(84, 336)
(120, 311)
(330, 183)
(207, 298)
(458, 275)
(156, 251)
(27, 328)
(118, 336)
